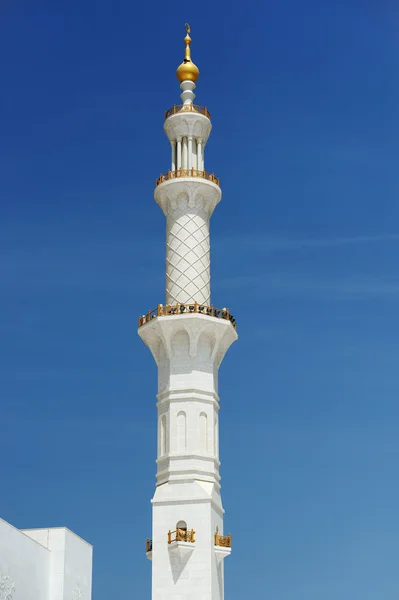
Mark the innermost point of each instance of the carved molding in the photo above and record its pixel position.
(198, 192)
(7, 587)
(78, 594)
(188, 124)
(220, 332)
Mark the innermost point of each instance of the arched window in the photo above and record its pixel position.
(181, 525)
(182, 535)
(181, 431)
(203, 431)
(163, 435)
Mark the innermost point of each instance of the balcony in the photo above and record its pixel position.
(222, 546)
(224, 541)
(148, 549)
(187, 173)
(178, 108)
(181, 542)
(180, 309)
(181, 535)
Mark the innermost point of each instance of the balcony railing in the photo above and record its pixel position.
(187, 173)
(223, 540)
(148, 545)
(177, 108)
(184, 309)
(181, 535)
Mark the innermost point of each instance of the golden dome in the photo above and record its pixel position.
(187, 70)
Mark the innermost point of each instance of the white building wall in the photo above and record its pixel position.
(70, 569)
(44, 564)
(24, 566)
(78, 567)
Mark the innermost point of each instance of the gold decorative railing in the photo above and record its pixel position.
(181, 535)
(181, 309)
(148, 545)
(187, 173)
(223, 540)
(177, 108)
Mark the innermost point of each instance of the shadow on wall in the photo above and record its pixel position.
(178, 562)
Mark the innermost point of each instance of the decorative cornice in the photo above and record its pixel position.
(195, 191)
(194, 473)
(162, 330)
(188, 123)
(187, 398)
(184, 393)
(189, 456)
(177, 500)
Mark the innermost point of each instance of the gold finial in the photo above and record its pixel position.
(187, 71)
(187, 41)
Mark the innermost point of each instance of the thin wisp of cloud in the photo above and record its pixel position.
(294, 284)
(280, 243)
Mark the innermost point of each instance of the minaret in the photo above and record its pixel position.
(188, 338)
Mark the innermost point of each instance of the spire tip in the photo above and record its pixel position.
(187, 70)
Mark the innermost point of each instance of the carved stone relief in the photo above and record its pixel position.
(196, 192)
(188, 124)
(7, 587)
(187, 256)
(77, 594)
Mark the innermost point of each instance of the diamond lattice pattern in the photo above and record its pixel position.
(187, 257)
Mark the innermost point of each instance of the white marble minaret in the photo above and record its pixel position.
(188, 338)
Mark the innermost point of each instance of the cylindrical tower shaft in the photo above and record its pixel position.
(187, 254)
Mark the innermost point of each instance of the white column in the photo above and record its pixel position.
(178, 153)
(187, 94)
(195, 163)
(190, 152)
(199, 155)
(184, 161)
(173, 144)
(203, 157)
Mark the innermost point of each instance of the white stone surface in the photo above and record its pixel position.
(44, 564)
(188, 350)
(187, 94)
(188, 124)
(188, 204)
(24, 566)
(195, 575)
(221, 553)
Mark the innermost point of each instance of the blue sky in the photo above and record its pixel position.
(304, 99)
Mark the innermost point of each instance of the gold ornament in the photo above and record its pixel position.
(187, 71)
